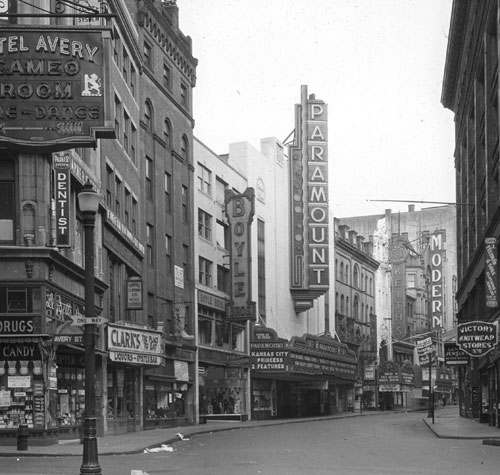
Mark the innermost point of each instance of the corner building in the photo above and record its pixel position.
(470, 91)
(139, 160)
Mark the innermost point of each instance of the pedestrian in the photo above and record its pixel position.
(444, 401)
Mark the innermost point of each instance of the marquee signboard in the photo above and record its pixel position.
(54, 90)
(477, 338)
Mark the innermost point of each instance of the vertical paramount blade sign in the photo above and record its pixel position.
(54, 92)
(309, 202)
(62, 167)
(438, 239)
(491, 277)
(240, 210)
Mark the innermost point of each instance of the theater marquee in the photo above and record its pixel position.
(54, 89)
(309, 202)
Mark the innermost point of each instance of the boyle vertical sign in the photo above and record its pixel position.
(490, 251)
(240, 209)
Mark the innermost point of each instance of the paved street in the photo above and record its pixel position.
(385, 444)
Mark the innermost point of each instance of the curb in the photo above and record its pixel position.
(493, 441)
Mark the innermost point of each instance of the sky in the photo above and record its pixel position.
(378, 64)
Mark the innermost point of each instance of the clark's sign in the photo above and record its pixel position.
(54, 89)
(477, 338)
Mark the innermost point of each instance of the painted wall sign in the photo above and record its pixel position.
(240, 210)
(477, 338)
(437, 300)
(134, 294)
(54, 87)
(309, 202)
(491, 273)
(62, 192)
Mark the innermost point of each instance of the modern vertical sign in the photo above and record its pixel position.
(491, 276)
(309, 202)
(62, 167)
(438, 239)
(240, 209)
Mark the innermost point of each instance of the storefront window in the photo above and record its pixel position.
(158, 400)
(222, 391)
(67, 403)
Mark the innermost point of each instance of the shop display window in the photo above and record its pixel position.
(264, 397)
(222, 391)
(21, 388)
(159, 400)
(69, 397)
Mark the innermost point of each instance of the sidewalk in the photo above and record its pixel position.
(448, 424)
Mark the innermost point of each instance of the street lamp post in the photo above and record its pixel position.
(89, 202)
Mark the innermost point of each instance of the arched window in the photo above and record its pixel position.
(148, 115)
(371, 286)
(336, 301)
(355, 277)
(347, 309)
(167, 133)
(347, 274)
(356, 307)
(184, 148)
(336, 267)
(342, 305)
(341, 271)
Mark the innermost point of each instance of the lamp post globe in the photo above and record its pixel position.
(88, 200)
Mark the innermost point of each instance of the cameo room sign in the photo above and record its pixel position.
(53, 87)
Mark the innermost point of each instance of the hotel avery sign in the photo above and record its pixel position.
(54, 87)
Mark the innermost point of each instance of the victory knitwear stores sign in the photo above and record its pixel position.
(477, 338)
(53, 87)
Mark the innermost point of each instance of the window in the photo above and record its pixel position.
(126, 132)
(220, 190)
(184, 148)
(110, 187)
(356, 277)
(128, 208)
(204, 225)
(149, 178)
(167, 76)
(135, 206)
(410, 281)
(185, 204)
(118, 115)
(116, 47)
(6, 200)
(168, 253)
(167, 133)
(223, 279)
(204, 271)
(133, 79)
(151, 310)
(222, 235)
(148, 116)
(125, 65)
(133, 144)
(148, 60)
(168, 192)
(150, 244)
(204, 179)
(184, 95)
(118, 197)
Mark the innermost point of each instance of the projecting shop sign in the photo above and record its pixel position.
(490, 274)
(477, 338)
(53, 87)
